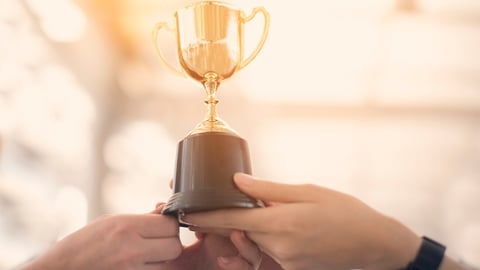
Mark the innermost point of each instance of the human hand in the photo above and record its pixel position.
(116, 242)
(215, 252)
(310, 227)
(149, 241)
(232, 251)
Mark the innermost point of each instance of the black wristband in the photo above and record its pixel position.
(429, 256)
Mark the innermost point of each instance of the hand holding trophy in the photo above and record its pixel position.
(210, 49)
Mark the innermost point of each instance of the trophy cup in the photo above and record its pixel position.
(209, 37)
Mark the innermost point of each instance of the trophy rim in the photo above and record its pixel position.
(214, 133)
(208, 2)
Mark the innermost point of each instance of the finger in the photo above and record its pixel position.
(234, 263)
(160, 250)
(199, 235)
(264, 241)
(256, 219)
(246, 248)
(156, 226)
(155, 265)
(276, 192)
(170, 183)
(269, 203)
(158, 208)
(217, 231)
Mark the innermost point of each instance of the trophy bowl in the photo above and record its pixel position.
(210, 49)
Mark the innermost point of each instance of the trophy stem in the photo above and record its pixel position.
(211, 122)
(211, 85)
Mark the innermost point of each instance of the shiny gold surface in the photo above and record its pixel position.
(210, 38)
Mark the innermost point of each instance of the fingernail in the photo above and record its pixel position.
(242, 179)
(238, 234)
(186, 220)
(160, 204)
(193, 228)
(225, 260)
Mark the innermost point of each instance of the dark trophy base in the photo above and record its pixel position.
(203, 181)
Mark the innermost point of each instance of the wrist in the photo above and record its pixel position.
(397, 248)
(429, 256)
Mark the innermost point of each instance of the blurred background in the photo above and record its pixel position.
(379, 99)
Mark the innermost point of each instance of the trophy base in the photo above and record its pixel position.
(206, 200)
(203, 181)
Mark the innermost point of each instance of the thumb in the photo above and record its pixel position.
(274, 192)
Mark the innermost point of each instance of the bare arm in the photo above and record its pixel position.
(450, 264)
(311, 227)
(115, 242)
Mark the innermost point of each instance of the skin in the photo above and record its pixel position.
(144, 242)
(115, 242)
(310, 227)
(242, 255)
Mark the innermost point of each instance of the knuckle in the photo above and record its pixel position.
(171, 224)
(121, 227)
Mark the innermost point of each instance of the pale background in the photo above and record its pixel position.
(379, 99)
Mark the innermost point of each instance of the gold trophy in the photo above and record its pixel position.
(209, 37)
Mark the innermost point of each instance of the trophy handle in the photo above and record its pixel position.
(156, 29)
(264, 35)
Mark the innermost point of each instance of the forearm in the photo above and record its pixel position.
(402, 246)
(34, 265)
(39, 263)
(447, 263)
(450, 264)
(48, 260)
